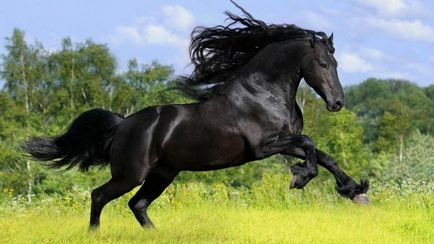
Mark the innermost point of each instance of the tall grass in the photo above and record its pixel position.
(198, 213)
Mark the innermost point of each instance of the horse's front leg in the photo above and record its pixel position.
(345, 185)
(302, 172)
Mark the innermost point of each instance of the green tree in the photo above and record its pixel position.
(373, 97)
(23, 71)
(429, 91)
(394, 127)
(417, 163)
(64, 65)
(145, 85)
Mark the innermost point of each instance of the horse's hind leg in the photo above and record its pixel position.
(111, 190)
(155, 183)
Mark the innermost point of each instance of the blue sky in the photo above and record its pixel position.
(384, 39)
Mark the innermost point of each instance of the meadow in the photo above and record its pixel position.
(268, 212)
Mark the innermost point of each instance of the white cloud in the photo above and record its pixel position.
(421, 68)
(353, 63)
(392, 75)
(151, 34)
(316, 20)
(393, 8)
(178, 16)
(127, 33)
(372, 53)
(406, 29)
(167, 30)
(385, 6)
(158, 34)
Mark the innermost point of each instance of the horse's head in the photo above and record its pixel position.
(319, 71)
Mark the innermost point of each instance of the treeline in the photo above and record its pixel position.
(388, 126)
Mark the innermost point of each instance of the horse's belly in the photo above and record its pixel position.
(199, 154)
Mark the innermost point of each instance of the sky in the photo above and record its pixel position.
(382, 39)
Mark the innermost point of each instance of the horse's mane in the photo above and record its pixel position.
(218, 52)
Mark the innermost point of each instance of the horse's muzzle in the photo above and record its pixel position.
(335, 106)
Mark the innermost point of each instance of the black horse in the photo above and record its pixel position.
(245, 78)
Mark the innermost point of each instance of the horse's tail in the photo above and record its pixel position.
(87, 141)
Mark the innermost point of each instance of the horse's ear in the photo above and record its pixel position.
(330, 39)
(313, 41)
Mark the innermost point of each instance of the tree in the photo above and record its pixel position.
(394, 127)
(145, 85)
(373, 97)
(23, 72)
(64, 67)
(429, 91)
(418, 161)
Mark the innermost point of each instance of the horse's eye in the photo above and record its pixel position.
(324, 65)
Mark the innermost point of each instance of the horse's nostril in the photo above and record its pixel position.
(338, 104)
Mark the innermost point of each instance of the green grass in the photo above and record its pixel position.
(207, 223)
(199, 213)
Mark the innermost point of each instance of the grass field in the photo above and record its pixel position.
(342, 223)
(196, 213)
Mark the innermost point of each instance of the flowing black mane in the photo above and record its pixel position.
(218, 52)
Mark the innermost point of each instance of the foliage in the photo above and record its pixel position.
(418, 162)
(372, 98)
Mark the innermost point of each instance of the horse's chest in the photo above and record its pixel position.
(285, 122)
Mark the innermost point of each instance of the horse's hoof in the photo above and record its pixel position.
(361, 199)
(149, 227)
(293, 182)
(93, 228)
(297, 182)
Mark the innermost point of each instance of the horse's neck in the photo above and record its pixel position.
(271, 78)
(258, 89)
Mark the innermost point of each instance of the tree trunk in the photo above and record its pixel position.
(29, 182)
(71, 84)
(84, 95)
(401, 147)
(27, 106)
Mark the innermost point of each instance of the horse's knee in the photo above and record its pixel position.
(307, 142)
(135, 181)
(313, 172)
(140, 205)
(96, 197)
